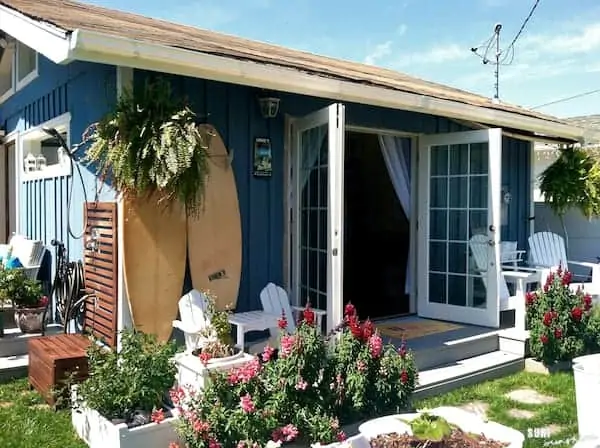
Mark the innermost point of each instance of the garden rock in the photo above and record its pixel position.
(476, 407)
(529, 396)
(521, 414)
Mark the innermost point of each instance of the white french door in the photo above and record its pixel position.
(459, 197)
(318, 212)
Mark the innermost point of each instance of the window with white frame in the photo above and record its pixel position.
(43, 155)
(18, 66)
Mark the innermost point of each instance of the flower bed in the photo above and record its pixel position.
(558, 320)
(192, 371)
(303, 392)
(99, 432)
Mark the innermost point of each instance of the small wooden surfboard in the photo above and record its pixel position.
(215, 236)
(154, 262)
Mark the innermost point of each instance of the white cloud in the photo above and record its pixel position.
(583, 40)
(379, 52)
(439, 54)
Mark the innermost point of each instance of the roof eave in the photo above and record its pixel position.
(61, 46)
(48, 40)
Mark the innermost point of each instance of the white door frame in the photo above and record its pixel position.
(14, 137)
(334, 117)
(489, 316)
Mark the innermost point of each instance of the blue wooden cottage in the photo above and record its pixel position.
(378, 179)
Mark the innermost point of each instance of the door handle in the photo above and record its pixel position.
(492, 228)
(491, 243)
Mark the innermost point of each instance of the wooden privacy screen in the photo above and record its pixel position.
(100, 267)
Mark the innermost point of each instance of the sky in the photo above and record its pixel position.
(557, 56)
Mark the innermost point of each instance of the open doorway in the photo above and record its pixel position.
(376, 233)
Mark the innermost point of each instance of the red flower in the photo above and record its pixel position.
(544, 339)
(308, 315)
(341, 436)
(548, 317)
(282, 322)
(566, 278)
(402, 350)
(44, 301)
(404, 377)
(349, 310)
(157, 416)
(530, 298)
(204, 358)
(576, 313)
(558, 333)
(367, 329)
(355, 328)
(587, 302)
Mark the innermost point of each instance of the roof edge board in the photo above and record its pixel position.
(98, 47)
(50, 41)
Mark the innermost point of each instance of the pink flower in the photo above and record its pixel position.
(267, 353)
(157, 416)
(301, 384)
(177, 395)
(247, 404)
(244, 373)
(361, 366)
(212, 443)
(404, 377)
(242, 444)
(341, 436)
(402, 350)
(173, 445)
(286, 345)
(200, 427)
(282, 322)
(44, 301)
(375, 345)
(286, 433)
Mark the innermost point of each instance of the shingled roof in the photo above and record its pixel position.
(70, 16)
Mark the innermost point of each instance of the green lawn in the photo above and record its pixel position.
(559, 416)
(25, 422)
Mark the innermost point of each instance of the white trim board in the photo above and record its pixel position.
(62, 47)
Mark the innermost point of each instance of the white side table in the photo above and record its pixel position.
(251, 321)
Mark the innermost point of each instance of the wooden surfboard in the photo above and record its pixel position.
(215, 236)
(154, 263)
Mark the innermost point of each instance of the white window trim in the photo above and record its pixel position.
(17, 85)
(62, 123)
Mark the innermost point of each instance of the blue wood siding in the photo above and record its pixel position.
(234, 111)
(87, 91)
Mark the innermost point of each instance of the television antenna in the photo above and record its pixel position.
(484, 50)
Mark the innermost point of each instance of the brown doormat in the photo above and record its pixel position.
(415, 329)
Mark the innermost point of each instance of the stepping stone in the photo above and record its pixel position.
(521, 414)
(478, 408)
(529, 396)
(5, 404)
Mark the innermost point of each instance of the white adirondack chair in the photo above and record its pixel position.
(194, 319)
(479, 246)
(548, 250)
(29, 252)
(275, 300)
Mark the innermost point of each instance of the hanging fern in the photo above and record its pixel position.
(572, 181)
(151, 144)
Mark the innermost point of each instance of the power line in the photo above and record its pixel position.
(512, 44)
(562, 100)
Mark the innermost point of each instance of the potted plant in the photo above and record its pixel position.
(217, 351)
(27, 298)
(297, 396)
(443, 426)
(557, 319)
(124, 402)
(150, 146)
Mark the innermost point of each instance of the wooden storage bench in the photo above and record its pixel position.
(52, 359)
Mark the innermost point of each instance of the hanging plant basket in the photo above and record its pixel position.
(151, 146)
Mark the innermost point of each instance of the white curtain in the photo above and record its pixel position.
(312, 141)
(396, 154)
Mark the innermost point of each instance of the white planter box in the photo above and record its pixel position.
(191, 371)
(98, 432)
(466, 421)
(586, 371)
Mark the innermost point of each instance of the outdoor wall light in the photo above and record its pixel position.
(269, 106)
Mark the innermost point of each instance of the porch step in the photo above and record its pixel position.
(14, 343)
(12, 367)
(444, 378)
(446, 350)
